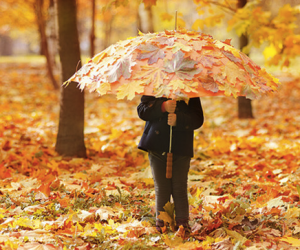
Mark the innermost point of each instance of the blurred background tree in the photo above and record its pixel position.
(70, 136)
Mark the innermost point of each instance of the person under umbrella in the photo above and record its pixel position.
(160, 114)
(177, 64)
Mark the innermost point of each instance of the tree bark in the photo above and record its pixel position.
(108, 28)
(70, 137)
(52, 36)
(44, 43)
(145, 19)
(92, 37)
(244, 104)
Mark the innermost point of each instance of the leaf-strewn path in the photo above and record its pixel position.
(242, 184)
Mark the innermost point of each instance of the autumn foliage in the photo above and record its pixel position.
(243, 183)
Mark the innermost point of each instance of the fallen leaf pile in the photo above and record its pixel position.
(244, 182)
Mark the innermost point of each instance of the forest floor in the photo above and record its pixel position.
(244, 181)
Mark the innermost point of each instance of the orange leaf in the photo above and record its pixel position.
(45, 188)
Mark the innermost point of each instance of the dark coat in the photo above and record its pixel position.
(156, 136)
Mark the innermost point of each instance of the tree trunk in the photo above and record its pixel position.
(6, 45)
(92, 37)
(145, 19)
(70, 137)
(108, 28)
(244, 104)
(52, 36)
(44, 43)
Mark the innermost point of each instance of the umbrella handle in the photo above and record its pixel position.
(169, 165)
(169, 158)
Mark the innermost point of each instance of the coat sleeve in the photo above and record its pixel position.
(192, 118)
(150, 108)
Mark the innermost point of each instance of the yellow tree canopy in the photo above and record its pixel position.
(277, 31)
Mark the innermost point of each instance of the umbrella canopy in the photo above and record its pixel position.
(175, 64)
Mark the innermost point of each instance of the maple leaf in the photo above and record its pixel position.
(229, 89)
(231, 57)
(130, 89)
(103, 88)
(178, 85)
(165, 217)
(173, 242)
(180, 46)
(198, 45)
(152, 52)
(210, 85)
(183, 67)
(84, 70)
(45, 189)
(153, 75)
(121, 68)
(249, 92)
(227, 48)
(208, 61)
(98, 58)
(233, 72)
(169, 41)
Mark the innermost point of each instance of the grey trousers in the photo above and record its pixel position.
(177, 186)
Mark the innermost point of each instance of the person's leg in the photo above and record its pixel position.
(181, 166)
(162, 185)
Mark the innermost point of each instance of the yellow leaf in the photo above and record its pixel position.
(165, 217)
(11, 244)
(104, 88)
(98, 226)
(199, 191)
(208, 241)
(178, 85)
(97, 58)
(236, 236)
(227, 47)
(292, 213)
(233, 72)
(79, 227)
(130, 89)
(173, 242)
(180, 46)
(148, 181)
(269, 51)
(153, 75)
(294, 242)
(80, 175)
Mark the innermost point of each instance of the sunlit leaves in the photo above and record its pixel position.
(243, 183)
(260, 25)
(173, 63)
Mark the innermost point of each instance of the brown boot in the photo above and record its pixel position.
(182, 227)
(159, 225)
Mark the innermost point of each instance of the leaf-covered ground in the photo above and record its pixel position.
(243, 184)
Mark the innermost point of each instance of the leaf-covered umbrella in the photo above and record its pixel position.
(175, 64)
